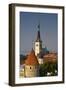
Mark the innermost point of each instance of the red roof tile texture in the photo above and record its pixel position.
(52, 57)
(31, 59)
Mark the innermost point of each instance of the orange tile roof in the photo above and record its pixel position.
(31, 59)
(52, 57)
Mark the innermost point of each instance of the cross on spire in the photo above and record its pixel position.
(38, 33)
(39, 26)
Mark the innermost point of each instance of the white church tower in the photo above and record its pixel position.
(38, 42)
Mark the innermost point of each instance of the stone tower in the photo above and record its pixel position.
(38, 42)
(31, 65)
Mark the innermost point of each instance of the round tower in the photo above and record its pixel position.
(31, 65)
(38, 42)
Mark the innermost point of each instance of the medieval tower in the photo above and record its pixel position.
(31, 65)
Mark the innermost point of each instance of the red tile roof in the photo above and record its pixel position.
(52, 57)
(31, 59)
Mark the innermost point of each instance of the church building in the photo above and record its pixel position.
(38, 46)
(34, 59)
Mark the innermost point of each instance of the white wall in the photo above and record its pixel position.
(4, 45)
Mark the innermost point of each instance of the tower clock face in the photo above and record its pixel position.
(36, 44)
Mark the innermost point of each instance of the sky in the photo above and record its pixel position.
(29, 26)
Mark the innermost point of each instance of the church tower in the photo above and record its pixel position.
(38, 42)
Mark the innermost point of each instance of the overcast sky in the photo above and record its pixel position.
(29, 26)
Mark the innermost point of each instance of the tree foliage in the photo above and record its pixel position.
(48, 67)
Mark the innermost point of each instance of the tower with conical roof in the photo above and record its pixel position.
(31, 65)
(38, 42)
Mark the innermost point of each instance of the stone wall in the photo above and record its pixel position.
(31, 71)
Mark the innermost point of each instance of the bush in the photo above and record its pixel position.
(50, 67)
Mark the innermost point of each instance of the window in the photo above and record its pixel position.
(30, 67)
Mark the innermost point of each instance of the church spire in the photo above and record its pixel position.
(38, 34)
(38, 42)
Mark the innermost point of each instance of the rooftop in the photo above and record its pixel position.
(31, 59)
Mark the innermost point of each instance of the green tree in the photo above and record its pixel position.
(50, 67)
